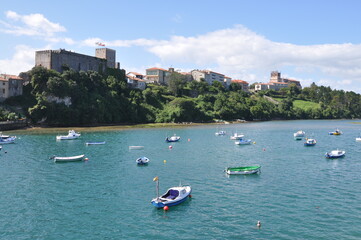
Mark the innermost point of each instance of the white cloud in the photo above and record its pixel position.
(30, 25)
(22, 61)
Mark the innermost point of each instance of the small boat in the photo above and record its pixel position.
(243, 170)
(236, 136)
(299, 135)
(173, 196)
(243, 142)
(68, 159)
(336, 132)
(71, 135)
(220, 133)
(173, 138)
(358, 139)
(94, 143)
(142, 160)
(335, 154)
(136, 147)
(310, 142)
(6, 139)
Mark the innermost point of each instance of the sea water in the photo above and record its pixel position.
(298, 195)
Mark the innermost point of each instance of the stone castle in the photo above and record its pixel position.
(58, 59)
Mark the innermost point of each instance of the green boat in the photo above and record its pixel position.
(243, 170)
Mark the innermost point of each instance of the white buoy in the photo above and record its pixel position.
(259, 224)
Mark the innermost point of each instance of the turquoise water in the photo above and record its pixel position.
(298, 195)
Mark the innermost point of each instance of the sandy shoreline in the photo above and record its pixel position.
(35, 130)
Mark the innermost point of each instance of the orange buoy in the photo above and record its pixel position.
(190, 195)
(86, 159)
(166, 208)
(189, 139)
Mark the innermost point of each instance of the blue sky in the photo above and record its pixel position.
(311, 41)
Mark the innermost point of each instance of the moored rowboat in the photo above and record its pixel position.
(68, 159)
(243, 170)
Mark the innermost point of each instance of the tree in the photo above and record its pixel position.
(176, 83)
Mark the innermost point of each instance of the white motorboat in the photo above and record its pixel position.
(299, 135)
(236, 136)
(71, 135)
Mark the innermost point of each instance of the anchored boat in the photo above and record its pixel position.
(173, 196)
(243, 170)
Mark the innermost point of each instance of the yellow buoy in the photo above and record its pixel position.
(165, 161)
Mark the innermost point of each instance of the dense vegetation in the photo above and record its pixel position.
(87, 98)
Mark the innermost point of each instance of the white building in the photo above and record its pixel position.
(207, 76)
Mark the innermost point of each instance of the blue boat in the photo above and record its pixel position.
(310, 142)
(173, 196)
(243, 142)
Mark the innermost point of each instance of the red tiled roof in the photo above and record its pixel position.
(155, 68)
(239, 81)
(2, 79)
(8, 76)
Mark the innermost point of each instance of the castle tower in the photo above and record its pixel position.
(275, 76)
(108, 54)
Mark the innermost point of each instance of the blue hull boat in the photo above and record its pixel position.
(172, 197)
(172, 139)
(335, 154)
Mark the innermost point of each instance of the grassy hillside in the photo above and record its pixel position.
(305, 104)
(301, 104)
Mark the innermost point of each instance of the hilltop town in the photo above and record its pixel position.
(65, 88)
(61, 59)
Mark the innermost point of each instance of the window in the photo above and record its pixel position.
(3, 91)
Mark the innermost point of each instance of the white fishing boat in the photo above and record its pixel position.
(68, 159)
(236, 136)
(6, 139)
(136, 147)
(71, 135)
